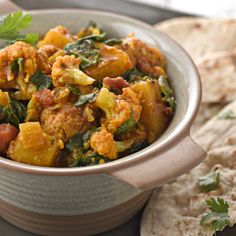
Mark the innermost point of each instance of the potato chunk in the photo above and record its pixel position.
(32, 146)
(113, 63)
(152, 117)
(58, 37)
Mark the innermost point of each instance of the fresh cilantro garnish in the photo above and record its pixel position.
(90, 97)
(127, 125)
(209, 182)
(11, 26)
(40, 80)
(218, 216)
(228, 115)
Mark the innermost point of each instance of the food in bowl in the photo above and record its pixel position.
(79, 99)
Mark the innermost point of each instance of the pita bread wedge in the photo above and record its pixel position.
(201, 36)
(176, 208)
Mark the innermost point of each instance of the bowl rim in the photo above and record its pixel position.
(135, 158)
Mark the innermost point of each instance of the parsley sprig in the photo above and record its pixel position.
(11, 26)
(218, 216)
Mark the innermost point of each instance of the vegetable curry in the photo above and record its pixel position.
(79, 99)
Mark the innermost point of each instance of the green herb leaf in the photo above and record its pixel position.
(40, 80)
(13, 114)
(218, 217)
(90, 97)
(76, 142)
(209, 182)
(228, 115)
(127, 125)
(86, 50)
(16, 65)
(133, 75)
(112, 41)
(74, 90)
(19, 109)
(166, 92)
(13, 24)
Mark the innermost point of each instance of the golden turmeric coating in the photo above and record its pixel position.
(65, 122)
(103, 143)
(9, 55)
(81, 98)
(118, 109)
(146, 58)
(66, 71)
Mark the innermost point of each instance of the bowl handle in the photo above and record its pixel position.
(159, 169)
(7, 6)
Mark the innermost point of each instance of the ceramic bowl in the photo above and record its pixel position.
(89, 200)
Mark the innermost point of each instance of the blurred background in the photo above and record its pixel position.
(150, 11)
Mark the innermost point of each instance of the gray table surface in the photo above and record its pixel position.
(148, 14)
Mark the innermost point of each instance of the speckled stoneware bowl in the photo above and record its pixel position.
(88, 200)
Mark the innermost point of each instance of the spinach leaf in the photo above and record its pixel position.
(19, 109)
(90, 97)
(166, 92)
(133, 75)
(76, 142)
(74, 90)
(127, 125)
(40, 80)
(16, 65)
(13, 114)
(112, 41)
(86, 50)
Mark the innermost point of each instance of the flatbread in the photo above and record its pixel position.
(201, 36)
(176, 208)
(218, 76)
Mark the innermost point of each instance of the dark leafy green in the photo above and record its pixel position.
(13, 114)
(209, 182)
(127, 125)
(16, 65)
(90, 97)
(133, 75)
(40, 80)
(166, 92)
(76, 142)
(112, 41)
(218, 216)
(86, 50)
(74, 90)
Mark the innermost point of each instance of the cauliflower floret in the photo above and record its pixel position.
(103, 143)
(64, 122)
(43, 55)
(118, 109)
(66, 71)
(8, 57)
(146, 58)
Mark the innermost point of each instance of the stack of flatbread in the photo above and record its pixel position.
(176, 208)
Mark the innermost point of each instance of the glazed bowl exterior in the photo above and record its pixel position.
(89, 200)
